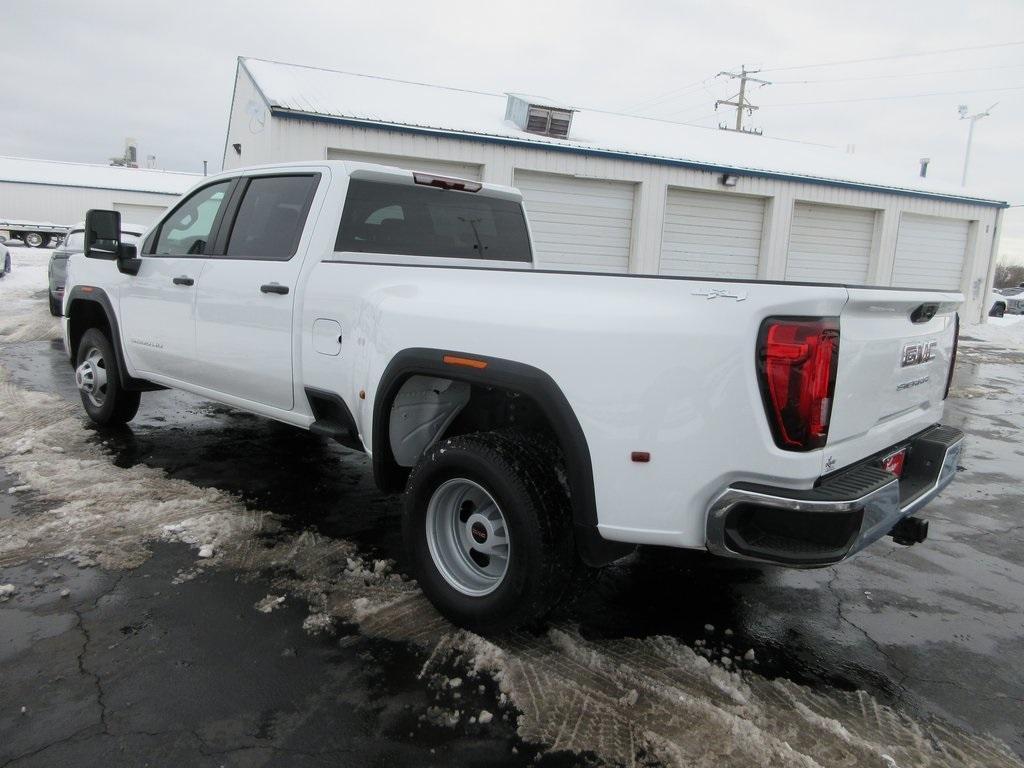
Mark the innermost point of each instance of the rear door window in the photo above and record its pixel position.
(271, 217)
(411, 220)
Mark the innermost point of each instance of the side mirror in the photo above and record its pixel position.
(102, 234)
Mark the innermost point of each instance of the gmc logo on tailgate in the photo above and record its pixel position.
(915, 354)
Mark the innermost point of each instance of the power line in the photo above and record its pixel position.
(895, 75)
(892, 56)
(667, 95)
(888, 98)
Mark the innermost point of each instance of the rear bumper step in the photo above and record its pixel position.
(842, 515)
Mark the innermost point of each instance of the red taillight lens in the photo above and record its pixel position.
(797, 361)
(952, 357)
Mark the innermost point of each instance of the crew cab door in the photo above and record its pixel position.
(157, 306)
(246, 296)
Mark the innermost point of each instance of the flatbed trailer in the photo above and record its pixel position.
(34, 234)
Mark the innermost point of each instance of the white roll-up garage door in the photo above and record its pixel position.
(830, 244)
(582, 224)
(930, 252)
(441, 167)
(711, 234)
(133, 213)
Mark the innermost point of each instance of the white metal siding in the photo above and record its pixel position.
(711, 234)
(442, 167)
(67, 205)
(831, 244)
(930, 252)
(578, 223)
(134, 213)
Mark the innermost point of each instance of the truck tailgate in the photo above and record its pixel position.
(894, 355)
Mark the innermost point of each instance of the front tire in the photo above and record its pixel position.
(34, 239)
(55, 307)
(489, 531)
(99, 382)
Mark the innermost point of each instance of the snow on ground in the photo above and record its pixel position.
(24, 314)
(1006, 331)
(652, 698)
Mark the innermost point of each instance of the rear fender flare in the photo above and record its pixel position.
(517, 377)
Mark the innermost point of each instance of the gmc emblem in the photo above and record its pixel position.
(915, 354)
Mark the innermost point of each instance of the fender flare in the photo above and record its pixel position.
(98, 296)
(518, 377)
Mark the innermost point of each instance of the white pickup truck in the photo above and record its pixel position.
(542, 423)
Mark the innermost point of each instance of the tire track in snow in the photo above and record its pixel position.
(652, 700)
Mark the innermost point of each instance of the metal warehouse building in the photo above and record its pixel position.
(61, 193)
(616, 193)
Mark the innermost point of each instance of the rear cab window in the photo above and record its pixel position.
(402, 219)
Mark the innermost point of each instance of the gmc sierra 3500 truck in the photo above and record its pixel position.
(542, 423)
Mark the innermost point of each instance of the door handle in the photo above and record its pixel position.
(184, 281)
(274, 288)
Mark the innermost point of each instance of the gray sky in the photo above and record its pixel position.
(79, 77)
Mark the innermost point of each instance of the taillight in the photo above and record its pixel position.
(797, 361)
(952, 357)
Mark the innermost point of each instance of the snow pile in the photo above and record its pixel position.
(25, 315)
(1006, 332)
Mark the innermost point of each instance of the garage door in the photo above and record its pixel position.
(581, 224)
(133, 213)
(930, 252)
(830, 244)
(442, 167)
(709, 234)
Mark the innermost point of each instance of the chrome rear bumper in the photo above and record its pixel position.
(841, 516)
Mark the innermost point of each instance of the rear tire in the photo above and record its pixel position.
(105, 401)
(33, 239)
(470, 493)
(998, 310)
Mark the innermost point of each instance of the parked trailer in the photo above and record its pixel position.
(34, 234)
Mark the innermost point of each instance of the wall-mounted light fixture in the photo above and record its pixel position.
(729, 179)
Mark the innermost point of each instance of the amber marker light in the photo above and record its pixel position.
(467, 362)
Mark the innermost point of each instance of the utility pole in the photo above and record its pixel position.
(970, 135)
(741, 102)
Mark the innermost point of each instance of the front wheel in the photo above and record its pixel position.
(55, 307)
(34, 239)
(489, 531)
(99, 382)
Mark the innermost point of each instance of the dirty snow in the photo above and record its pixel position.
(618, 699)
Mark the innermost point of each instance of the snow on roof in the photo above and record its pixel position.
(60, 173)
(296, 89)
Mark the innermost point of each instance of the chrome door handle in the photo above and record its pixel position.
(274, 288)
(184, 281)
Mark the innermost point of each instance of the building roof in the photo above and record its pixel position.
(62, 174)
(301, 91)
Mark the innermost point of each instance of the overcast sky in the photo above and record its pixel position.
(80, 77)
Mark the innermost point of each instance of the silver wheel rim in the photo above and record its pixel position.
(467, 537)
(91, 377)
(33, 240)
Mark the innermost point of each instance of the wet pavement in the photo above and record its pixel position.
(133, 668)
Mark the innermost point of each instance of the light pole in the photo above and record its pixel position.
(970, 135)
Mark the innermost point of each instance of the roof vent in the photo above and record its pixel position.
(535, 115)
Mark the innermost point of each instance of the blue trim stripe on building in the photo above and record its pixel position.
(617, 155)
